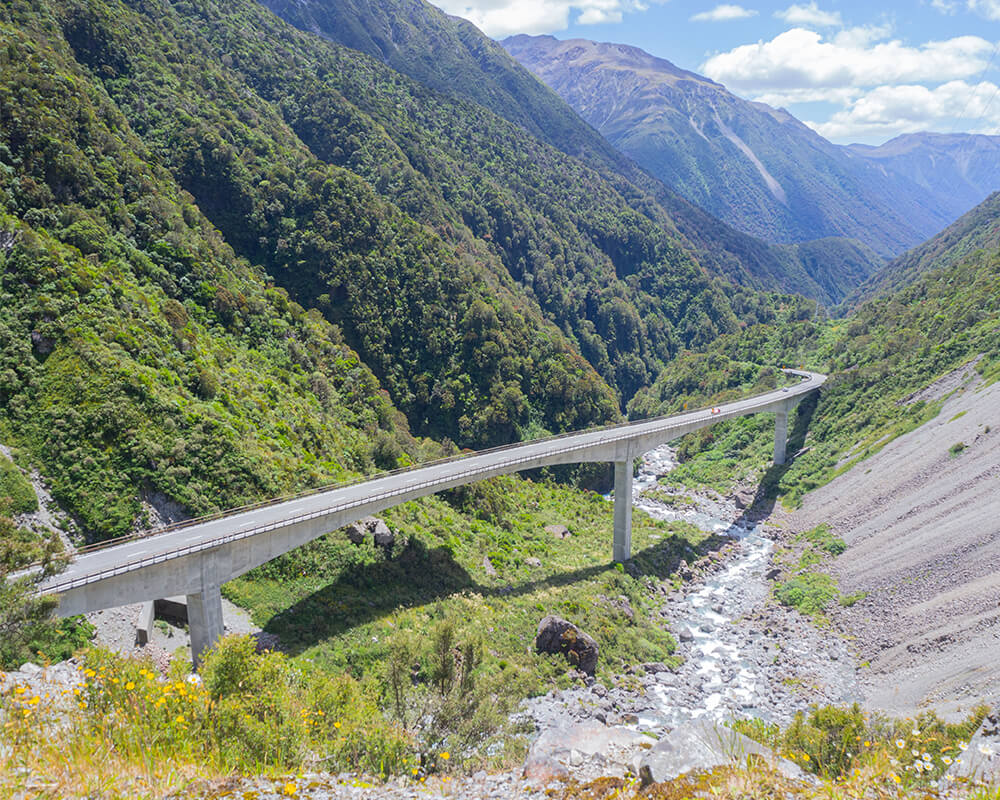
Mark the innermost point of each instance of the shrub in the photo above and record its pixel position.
(809, 592)
(15, 487)
(821, 538)
(257, 716)
(829, 736)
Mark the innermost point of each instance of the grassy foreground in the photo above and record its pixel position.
(127, 731)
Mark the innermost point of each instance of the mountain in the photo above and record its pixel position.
(450, 56)
(755, 167)
(959, 169)
(974, 235)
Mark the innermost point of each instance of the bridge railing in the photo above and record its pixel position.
(139, 535)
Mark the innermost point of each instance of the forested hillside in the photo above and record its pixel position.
(451, 56)
(975, 232)
(195, 177)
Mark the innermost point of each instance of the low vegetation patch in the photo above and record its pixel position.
(807, 589)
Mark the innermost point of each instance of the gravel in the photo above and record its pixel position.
(922, 526)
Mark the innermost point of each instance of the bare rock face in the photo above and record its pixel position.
(699, 745)
(583, 751)
(557, 635)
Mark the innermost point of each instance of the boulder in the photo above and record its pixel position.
(557, 635)
(488, 567)
(373, 528)
(701, 745)
(533, 562)
(559, 531)
(356, 532)
(564, 746)
(381, 533)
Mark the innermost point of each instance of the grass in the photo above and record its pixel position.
(129, 732)
(343, 606)
(14, 486)
(807, 589)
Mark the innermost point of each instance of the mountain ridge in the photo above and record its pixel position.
(756, 167)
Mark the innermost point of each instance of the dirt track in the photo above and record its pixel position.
(923, 531)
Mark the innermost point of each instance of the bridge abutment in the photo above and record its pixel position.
(205, 624)
(623, 511)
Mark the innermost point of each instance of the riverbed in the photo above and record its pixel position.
(744, 655)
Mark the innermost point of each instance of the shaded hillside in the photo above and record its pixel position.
(451, 56)
(756, 167)
(976, 232)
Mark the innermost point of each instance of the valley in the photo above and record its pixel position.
(256, 250)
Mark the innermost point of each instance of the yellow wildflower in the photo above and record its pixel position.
(290, 788)
(129, 686)
(445, 755)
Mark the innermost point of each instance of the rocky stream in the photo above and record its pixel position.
(744, 655)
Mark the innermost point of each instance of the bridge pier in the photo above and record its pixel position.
(781, 432)
(623, 511)
(204, 611)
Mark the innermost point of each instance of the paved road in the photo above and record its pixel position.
(593, 445)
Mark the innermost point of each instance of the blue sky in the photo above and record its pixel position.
(855, 71)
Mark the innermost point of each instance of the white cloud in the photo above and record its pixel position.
(944, 6)
(801, 59)
(499, 18)
(810, 15)
(724, 13)
(888, 111)
(988, 8)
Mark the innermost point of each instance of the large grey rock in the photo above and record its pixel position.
(357, 532)
(559, 531)
(980, 762)
(701, 745)
(557, 635)
(381, 533)
(569, 746)
(373, 528)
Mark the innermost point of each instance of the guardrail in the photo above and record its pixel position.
(673, 420)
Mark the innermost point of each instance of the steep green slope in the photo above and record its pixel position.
(512, 211)
(891, 347)
(450, 338)
(450, 56)
(756, 167)
(137, 353)
(978, 230)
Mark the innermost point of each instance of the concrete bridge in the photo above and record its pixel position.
(196, 558)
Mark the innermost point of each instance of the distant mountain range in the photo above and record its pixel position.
(759, 168)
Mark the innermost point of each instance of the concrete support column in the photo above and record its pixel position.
(623, 511)
(781, 433)
(204, 611)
